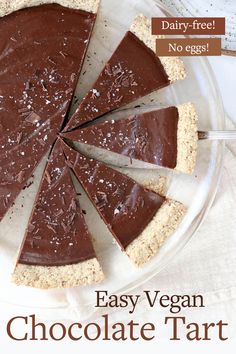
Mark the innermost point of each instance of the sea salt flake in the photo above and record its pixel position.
(116, 211)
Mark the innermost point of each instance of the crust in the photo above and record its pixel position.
(164, 223)
(157, 185)
(187, 138)
(8, 6)
(174, 66)
(84, 273)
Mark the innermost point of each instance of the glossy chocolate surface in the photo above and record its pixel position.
(41, 52)
(132, 72)
(57, 233)
(125, 206)
(150, 137)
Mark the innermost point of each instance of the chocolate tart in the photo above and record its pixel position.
(133, 71)
(42, 50)
(139, 219)
(166, 137)
(57, 250)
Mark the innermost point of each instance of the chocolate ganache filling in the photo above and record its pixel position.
(125, 206)
(149, 137)
(133, 71)
(41, 53)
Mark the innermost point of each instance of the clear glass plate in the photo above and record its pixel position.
(196, 191)
(216, 8)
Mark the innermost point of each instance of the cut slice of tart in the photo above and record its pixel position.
(166, 137)
(139, 219)
(133, 71)
(57, 250)
(42, 49)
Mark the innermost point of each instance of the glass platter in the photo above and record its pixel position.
(216, 8)
(199, 189)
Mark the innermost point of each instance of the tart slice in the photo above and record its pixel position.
(57, 250)
(18, 164)
(139, 219)
(166, 137)
(42, 49)
(133, 71)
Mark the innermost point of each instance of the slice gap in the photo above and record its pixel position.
(139, 219)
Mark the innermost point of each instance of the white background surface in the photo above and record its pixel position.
(207, 265)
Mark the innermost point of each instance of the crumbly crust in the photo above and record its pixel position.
(187, 138)
(157, 185)
(8, 6)
(173, 66)
(164, 223)
(68, 276)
